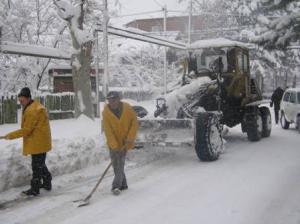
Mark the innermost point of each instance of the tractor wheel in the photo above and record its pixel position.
(266, 121)
(208, 137)
(254, 126)
(284, 123)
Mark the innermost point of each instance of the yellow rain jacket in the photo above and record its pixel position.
(118, 131)
(35, 130)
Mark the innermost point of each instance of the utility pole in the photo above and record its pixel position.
(165, 50)
(0, 37)
(190, 21)
(97, 74)
(105, 45)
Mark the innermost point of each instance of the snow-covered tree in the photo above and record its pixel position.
(268, 61)
(281, 23)
(27, 22)
(139, 64)
(82, 41)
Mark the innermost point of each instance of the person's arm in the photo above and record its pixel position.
(28, 126)
(109, 134)
(133, 128)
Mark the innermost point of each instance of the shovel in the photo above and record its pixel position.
(86, 200)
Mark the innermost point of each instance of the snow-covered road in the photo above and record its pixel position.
(250, 183)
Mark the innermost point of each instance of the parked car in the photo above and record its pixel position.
(290, 108)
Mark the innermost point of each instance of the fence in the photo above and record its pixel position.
(59, 105)
(8, 109)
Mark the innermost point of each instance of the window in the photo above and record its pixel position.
(286, 96)
(240, 61)
(207, 60)
(293, 97)
(156, 28)
(298, 96)
(245, 63)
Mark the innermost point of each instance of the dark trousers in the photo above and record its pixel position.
(276, 112)
(40, 172)
(118, 163)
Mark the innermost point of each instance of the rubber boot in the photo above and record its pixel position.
(35, 188)
(47, 185)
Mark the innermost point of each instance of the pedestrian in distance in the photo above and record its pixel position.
(36, 134)
(120, 128)
(275, 101)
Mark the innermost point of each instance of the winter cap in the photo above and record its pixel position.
(113, 95)
(25, 92)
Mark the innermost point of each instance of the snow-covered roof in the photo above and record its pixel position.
(216, 43)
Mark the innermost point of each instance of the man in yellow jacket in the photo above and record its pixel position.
(120, 128)
(36, 134)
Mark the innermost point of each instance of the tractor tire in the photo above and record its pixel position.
(254, 126)
(208, 137)
(266, 122)
(284, 123)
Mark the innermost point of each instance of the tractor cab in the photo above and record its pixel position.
(228, 58)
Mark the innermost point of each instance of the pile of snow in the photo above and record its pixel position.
(77, 144)
(178, 97)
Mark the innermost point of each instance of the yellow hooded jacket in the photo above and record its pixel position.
(116, 130)
(35, 130)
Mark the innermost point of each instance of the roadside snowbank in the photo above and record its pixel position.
(76, 144)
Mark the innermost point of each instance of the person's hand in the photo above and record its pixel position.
(128, 142)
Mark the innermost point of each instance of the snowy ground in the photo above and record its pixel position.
(250, 183)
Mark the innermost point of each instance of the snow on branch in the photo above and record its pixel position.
(280, 31)
(65, 9)
(73, 15)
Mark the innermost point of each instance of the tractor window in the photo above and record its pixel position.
(207, 58)
(293, 97)
(298, 96)
(286, 96)
(231, 60)
(240, 60)
(245, 63)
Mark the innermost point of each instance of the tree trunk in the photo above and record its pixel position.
(81, 65)
(81, 59)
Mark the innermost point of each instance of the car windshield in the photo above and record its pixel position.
(293, 97)
(206, 57)
(286, 96)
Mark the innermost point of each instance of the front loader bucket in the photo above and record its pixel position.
(166, 132)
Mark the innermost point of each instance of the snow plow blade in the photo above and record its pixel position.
(165, 132)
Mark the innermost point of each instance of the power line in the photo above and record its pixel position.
(158, 3)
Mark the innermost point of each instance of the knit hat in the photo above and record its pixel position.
(25, 92)
(113, 95)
